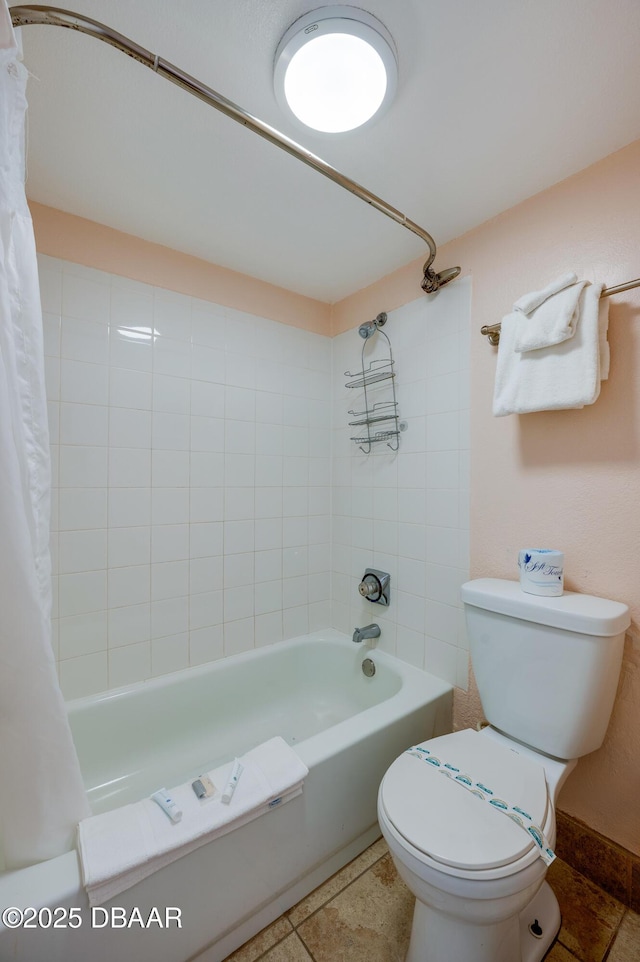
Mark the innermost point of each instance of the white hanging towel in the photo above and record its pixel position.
(567, 375)
(528, 303)
(122, 847)
(553, 321)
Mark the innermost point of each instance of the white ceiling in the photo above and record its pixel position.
(496, 100)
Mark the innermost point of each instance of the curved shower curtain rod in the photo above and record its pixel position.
(22, 16)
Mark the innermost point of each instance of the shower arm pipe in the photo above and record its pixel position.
(24, 15)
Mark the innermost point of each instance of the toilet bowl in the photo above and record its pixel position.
(469, 817)
(475, 873)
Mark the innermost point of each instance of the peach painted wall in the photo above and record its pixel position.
(571, 478)
(82, 241)
(568, 479)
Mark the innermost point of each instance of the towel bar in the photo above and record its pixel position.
(492, 331)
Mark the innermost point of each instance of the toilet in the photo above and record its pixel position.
(469, 817)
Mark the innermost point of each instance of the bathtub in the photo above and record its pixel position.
(346, 727)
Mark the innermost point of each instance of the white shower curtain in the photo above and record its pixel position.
(41, 792)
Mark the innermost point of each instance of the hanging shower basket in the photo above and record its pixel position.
(379, 418)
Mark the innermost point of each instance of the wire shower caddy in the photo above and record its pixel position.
(380, 419)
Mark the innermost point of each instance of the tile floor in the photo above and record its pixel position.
(363, 914)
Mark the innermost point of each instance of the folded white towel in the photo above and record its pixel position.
(566, 375)
(529, 302)
(122, 847)
(552, 322)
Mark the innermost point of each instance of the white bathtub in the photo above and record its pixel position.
(346, 727)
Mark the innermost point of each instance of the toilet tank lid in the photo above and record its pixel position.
(570, 611)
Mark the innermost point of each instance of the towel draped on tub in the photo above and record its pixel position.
(121, 847)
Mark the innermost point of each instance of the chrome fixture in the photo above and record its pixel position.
(23, 15)
(368, 668)
(432, 282)
(335, 69)
(369, 328)
(376, 586)
(362, 634)
(386, 408)
(492, 331)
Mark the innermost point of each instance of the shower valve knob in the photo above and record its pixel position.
(370, 588)
(375, 586)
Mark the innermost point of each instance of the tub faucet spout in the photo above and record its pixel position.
(370, 631)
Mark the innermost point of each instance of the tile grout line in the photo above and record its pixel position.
(279, 942)
(283, 939)
(608, 948)
(307, 949)
(614, 937)
(249, 941)
(294, 928)
(336, 894)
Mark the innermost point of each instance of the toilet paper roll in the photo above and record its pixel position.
(541, 571)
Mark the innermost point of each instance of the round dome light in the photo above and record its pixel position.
(335, 69)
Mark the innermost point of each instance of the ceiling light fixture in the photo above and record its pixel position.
(335, 69)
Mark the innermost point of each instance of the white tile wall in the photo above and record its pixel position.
(407, 513)
(191, 458)
(202, 503)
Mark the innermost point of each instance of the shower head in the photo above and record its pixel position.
(370, 327)
(432, 282)
(449, 274)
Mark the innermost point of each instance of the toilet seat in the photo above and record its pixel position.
(447, 823)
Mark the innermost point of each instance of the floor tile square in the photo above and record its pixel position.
(370, 921)
(626, 946)
(325, 892)
(590, 917)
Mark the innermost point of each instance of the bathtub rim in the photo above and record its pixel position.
(316, 748)
(331, 635)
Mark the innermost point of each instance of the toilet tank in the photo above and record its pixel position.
(547, 668)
